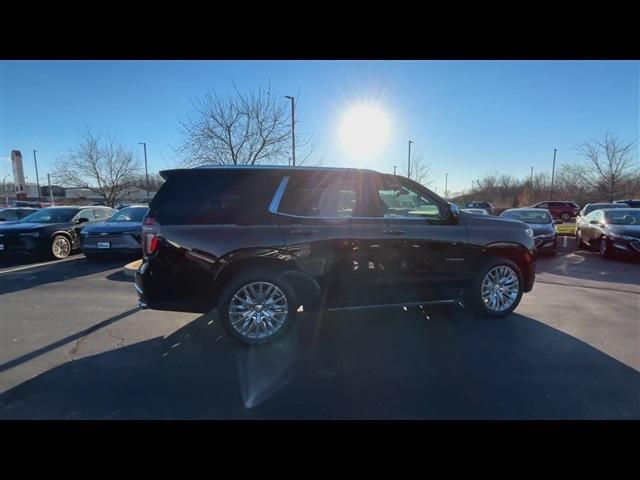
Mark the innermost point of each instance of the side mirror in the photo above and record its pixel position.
(82, 220)
(453, 212)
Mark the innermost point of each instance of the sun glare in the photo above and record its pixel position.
(364, 131)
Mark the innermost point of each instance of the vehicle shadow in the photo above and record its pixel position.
(52, 272)
(386, 364)
(587, 264)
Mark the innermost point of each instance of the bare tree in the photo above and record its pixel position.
(609, 166)
(419, 170)
(240, 129)
(102, 166)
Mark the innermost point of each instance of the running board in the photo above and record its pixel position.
(390, 305)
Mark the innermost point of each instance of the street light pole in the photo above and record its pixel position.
(146, 173)
(446, 180)
(553, 170)
(409, 161)
(6, 193)
(394, 169)
(50, 191)
(293, 129)
(531, 179)
(35, 160)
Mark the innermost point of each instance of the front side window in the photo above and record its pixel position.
(402, 201)
(7, 215)
(88, 214)
(321, 195)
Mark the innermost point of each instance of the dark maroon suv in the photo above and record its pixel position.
(258, 242)
(563, 210)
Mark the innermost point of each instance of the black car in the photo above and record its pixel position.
(632, 203)
(13, 214)
(258, 242)
(119, 234)
(542, 224)
(484, 205)
(591, 207)
(612, 231)
(49, 231)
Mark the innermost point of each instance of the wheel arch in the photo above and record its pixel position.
(515, 252)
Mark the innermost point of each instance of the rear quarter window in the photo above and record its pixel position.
(201, 197)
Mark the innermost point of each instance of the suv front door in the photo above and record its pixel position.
(425, 254)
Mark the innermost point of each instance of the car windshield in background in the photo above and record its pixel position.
(623, 217)
(599, 206)
(528, 216)
(51, 215)
(134, 214)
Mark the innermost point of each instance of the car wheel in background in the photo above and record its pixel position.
(497, 290)
(257, 307)
(60, 247)
(565, 217)
(606, 249)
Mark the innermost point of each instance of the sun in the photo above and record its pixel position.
(364, 131)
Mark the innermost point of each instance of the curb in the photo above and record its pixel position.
(131, 268)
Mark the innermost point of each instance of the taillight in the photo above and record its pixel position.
(150, 238)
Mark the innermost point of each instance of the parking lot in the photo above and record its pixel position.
(74, 345)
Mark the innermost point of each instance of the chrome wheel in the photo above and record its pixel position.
(60, 247)
(500, 288)
(258, 310)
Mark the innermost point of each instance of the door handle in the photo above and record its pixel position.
(302, 231)
(393, 232)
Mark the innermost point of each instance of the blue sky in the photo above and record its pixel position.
(467, 118)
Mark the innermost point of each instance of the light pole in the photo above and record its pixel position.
(4, 184)
(50, 191)
(409, 161)
(35, 160)
(446, 180)
(146, 173)
(553, 171)
(394, 169)
(293, 129)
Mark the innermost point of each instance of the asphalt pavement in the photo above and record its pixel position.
(74, 345)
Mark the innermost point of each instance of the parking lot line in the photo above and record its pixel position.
(42, 264)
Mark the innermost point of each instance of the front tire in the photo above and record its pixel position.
(60, 247)
(497, 290)
(256, 307)
(606, 249)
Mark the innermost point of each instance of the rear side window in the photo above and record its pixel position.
(201, 197)
(322, 194)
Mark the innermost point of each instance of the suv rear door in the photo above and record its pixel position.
(315, 215)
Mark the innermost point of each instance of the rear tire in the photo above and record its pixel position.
(256, 307)
(565, 217)
(497, 289)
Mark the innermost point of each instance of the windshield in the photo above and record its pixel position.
(597, 206)
(528, 216)
(133, 214)
(623, 217)
(51, 215)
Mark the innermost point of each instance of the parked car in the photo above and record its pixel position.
(13, 214)
(540, 221)
(475, 211)
(631, 203)
(25, 203)
(612, 231)
(483, 205)
(258, 242)
(590, 207)
(119, 234)
(563, 210)
(49, 231)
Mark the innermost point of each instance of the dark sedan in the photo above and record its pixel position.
(119, 234)
(52, 231)
(612, 231)
(540, 221)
